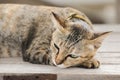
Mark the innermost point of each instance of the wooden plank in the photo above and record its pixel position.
(113, 37)
(88, 77)
(16, 68)
(110, 47)
(107, 27)
(108, 55)
(109, 58)
(31, 77)
(114, 61)
(12, 60)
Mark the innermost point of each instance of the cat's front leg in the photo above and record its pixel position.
(81, 62)
(38, 52)
(92, 63)
(70, 62)
(40, 56)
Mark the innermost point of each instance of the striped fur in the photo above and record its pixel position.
(47, 35)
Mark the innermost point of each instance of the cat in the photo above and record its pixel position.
(63, 37)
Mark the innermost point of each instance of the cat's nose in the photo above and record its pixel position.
(60, 57)
(58, 61)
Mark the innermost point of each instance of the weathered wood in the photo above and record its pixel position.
(110, 47)
(113, 37)
(108, 27)
(108, 55)
(90, 77)
(32, 77)
(109, 58)
(16, 68)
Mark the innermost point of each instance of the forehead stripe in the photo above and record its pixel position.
(80, 17)
(75, 37)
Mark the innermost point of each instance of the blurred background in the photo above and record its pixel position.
(99, 11)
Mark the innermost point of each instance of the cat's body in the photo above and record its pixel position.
(28, 30)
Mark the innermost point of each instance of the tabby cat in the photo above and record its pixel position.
(63, 37)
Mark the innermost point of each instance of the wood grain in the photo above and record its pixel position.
(32, 77)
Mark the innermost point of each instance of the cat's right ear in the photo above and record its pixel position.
(58, 22)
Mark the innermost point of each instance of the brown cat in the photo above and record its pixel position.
(63, 37)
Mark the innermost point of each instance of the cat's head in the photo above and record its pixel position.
(74, 38)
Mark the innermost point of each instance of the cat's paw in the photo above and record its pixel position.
(25, 57)
(93, 63)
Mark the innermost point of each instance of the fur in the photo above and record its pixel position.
(63, 37)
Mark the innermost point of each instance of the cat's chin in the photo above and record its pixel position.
(61, 66)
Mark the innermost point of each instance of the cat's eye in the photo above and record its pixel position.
(56, 47)
(73, 56)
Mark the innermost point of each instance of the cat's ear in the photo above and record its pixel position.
(99, 37)
(58, 22)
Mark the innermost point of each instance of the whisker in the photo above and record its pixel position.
(69, 38)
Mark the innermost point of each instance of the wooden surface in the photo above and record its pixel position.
(108, 54)
(32, 77)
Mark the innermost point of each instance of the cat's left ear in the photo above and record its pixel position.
(99, 37)
(58, 21)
